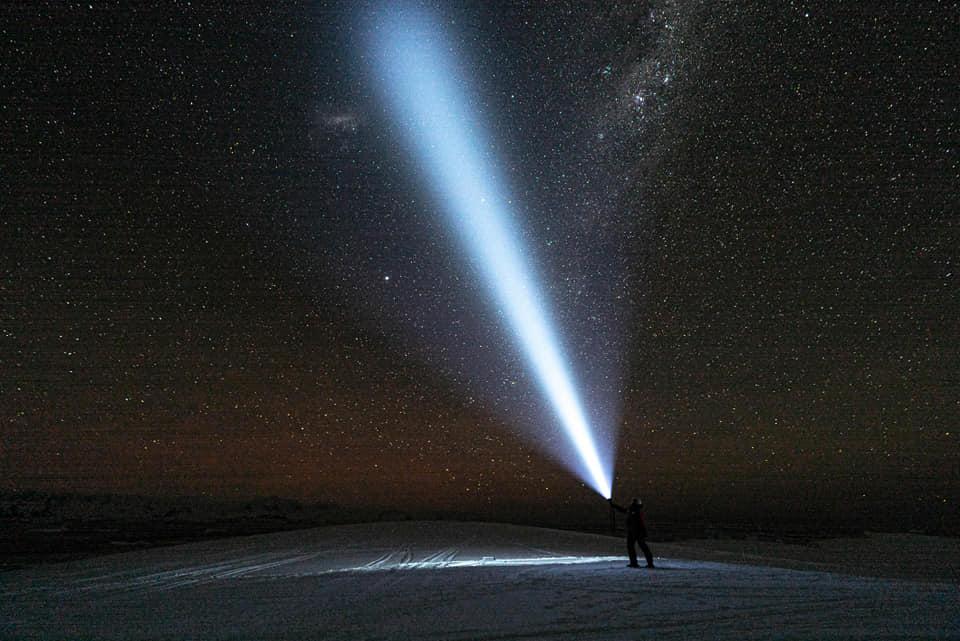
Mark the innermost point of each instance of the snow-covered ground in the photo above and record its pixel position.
(449, 580)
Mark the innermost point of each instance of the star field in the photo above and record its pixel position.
(220, 274)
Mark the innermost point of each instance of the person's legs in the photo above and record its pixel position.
(646, 552)
(631, 550)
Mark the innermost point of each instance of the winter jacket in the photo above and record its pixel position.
(636, 527)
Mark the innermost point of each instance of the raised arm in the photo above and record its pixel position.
(618, 508)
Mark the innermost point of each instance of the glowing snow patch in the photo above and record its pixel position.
(479, 563)
(424, 91)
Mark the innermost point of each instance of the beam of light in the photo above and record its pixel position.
(423, 88)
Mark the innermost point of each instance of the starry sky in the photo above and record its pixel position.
(222, 275)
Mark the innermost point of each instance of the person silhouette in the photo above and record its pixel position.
(636, 531)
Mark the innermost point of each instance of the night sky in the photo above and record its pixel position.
(222, 274)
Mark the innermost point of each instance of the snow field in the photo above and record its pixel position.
(455, 581)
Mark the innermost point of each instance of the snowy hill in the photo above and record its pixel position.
(446, 580)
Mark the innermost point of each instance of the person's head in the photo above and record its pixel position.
(637, 502)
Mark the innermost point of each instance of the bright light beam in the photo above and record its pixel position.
(424, 92)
